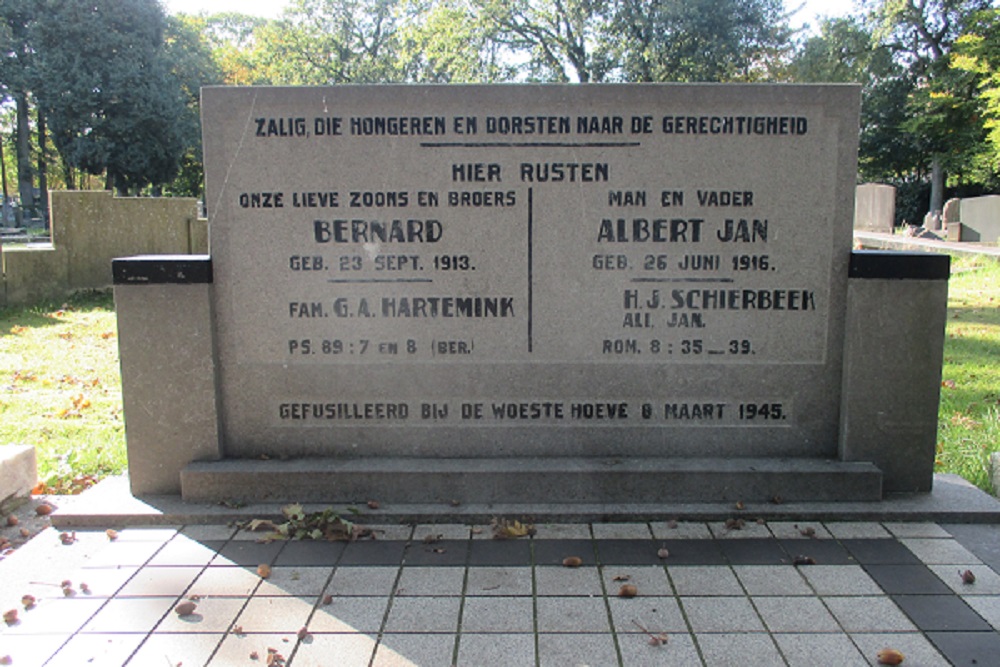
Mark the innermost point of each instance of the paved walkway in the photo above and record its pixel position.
(449, 594)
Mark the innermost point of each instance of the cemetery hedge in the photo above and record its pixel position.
(61, 387)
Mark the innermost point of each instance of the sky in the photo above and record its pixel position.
(272, 8)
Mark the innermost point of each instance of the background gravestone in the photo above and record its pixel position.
(458, 271)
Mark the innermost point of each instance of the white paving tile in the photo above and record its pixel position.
(848, 530)
(704, 580)
(940, 552)
(721, 614)
(680, 530)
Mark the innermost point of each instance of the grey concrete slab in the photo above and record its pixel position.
(721, 614)
(559, 650)
(739, 648)
(401, 650)
(423, 614)
(572, 614)
(488, 649)
(512, 615)
(795, 614)
(819, 650)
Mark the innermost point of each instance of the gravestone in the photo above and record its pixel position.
(875, 208)
(502, 293)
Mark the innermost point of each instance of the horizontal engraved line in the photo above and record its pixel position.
(529, 144)
(379, 280)
(683, 280)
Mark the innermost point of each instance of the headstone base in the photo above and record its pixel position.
(530, 480)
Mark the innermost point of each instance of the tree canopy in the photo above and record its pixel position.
(117, 81)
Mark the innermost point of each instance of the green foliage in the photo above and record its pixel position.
(977, 53)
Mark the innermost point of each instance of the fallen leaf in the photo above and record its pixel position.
(504, 529)
(260, 525)
(628, 591)
(572, 561)
(185, 608)
(889, 656)
(264, 570)
(968, 577)
(621, 577)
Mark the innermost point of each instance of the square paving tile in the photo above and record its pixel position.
(183, 550)
(55, 616)
(423, 615)
(879, 552)
(130, 615)
(798, 530)
(176, 649)
(444, 553)
(839, 580)
(824, 552)
(553, 552)
(906, 529)
(373, 553)
(342, 650)
(367, 581)
(749, 530)
(274, 614)
(621, 531)
(679, 651)
(105, 649)
(125, 553)
(907, 580)
(160, 581)
(781, 580)
(561, 650)
(721, 614)
(572, 614)
(506, 581)
(680, 530)
(238, 649)
(350, 614)
(694, 552)
(476, 650)
(693, 580)
(431, 581)
(562, 531)
(228, 580)
(851, 530)
(795, 615)
(405, 650)
(498, 614)
(982, 540)
(499, 552)
(628, 552)
(655, 614)
(987, 581)
(208, 532)
(293, 580)
(311, 553)
(559, 580)
(392, 532)
(31, 649)
(987, 606)
(739, 648)
(868, 614)
(967, 648)
(213, 615)
(946, 613)
(249, 554)
(102, 582)
(941, 552)
(648, 580)
(820, 650)
(916, 649)
(754, 552)
(442, 531)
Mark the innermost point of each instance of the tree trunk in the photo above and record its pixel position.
(43, 169)
(937, 194)
(25, 177)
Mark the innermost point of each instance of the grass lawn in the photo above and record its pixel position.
(60, 387)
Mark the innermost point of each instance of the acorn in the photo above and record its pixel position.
(10, 616)
(572, 561)
(264, 570)
(889, 656)
(185, 608)
(968, 577)
(628, 591)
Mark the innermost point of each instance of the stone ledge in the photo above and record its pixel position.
(530, 480)
(18, 470)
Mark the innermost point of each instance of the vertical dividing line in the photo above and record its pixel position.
(531, 266)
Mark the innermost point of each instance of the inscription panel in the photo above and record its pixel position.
(466, 270)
